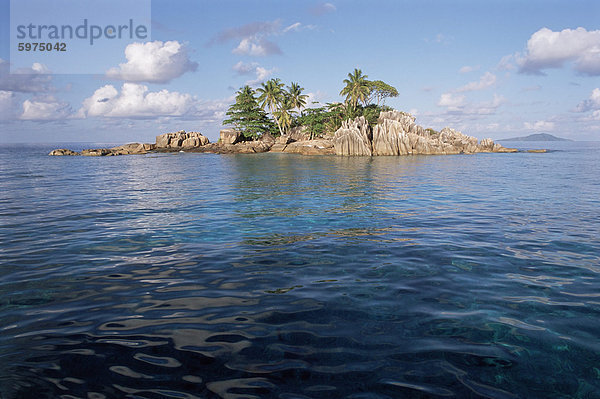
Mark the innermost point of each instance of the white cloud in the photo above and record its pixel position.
(297, 27)
(5, 95)
(595, 116)
(245, 68)
(323, 9)
(45, 109)
(155, 62)
(135, 101)
(494, 126)
(549, 49)
(6, 105)
(29, 80)
(212, 111)
(255, 39)
(485, 81)
(592, 103)
(314, 100)
(458, 109)
(468, 68)
(294, 27)
(488, 107)
(507, 63)
(249, 30)
(262, 74)
(256, 46)
(252, 38)
(539, 126)
(451, 101)
(39, 68)
(25, 80)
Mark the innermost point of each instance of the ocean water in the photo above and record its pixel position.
(282, 276)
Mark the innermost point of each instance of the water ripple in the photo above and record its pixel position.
(313, 277)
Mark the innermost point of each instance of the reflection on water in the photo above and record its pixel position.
(203, 276)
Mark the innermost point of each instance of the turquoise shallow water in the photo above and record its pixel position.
(278, 276)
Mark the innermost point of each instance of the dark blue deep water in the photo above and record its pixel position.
(281, 276)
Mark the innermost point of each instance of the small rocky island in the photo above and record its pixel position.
(274, 118)
(395, 133)
(537, 137)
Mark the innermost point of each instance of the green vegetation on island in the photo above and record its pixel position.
(247, 116)
(275, 109)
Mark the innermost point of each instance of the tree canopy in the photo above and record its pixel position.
(356, 88)
(379, 91)
(271, 94)
(285, 106)
(247, 116)
(297, 99)
(284, 113)
(359, 88)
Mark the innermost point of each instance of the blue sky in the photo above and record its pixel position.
(488, 68)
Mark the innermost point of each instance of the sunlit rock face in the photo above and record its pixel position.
(181, 139)
(229, 136)
(353, 138)
(396, 133)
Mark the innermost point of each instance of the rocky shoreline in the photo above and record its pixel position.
(394, 134)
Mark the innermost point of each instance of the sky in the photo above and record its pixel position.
(487, 68)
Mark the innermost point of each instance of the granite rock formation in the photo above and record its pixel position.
(396, 133)
(244, 147)
(96, 152)
(299, 133)
(62, 151)
(181, 139)
(125, 149)
(133, 148)
(309, 147)
(353, 138)
(230, 136)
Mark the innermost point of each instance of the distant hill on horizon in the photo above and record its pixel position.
(536, 137)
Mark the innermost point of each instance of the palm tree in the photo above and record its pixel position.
(271, 96)
(297, 99)
(284, 114)
(245, 91)
(357, 88)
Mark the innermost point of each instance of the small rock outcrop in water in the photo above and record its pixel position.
(396, 133)
(181, 139)
(134, 148)
(125, 149)
(62, 151)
